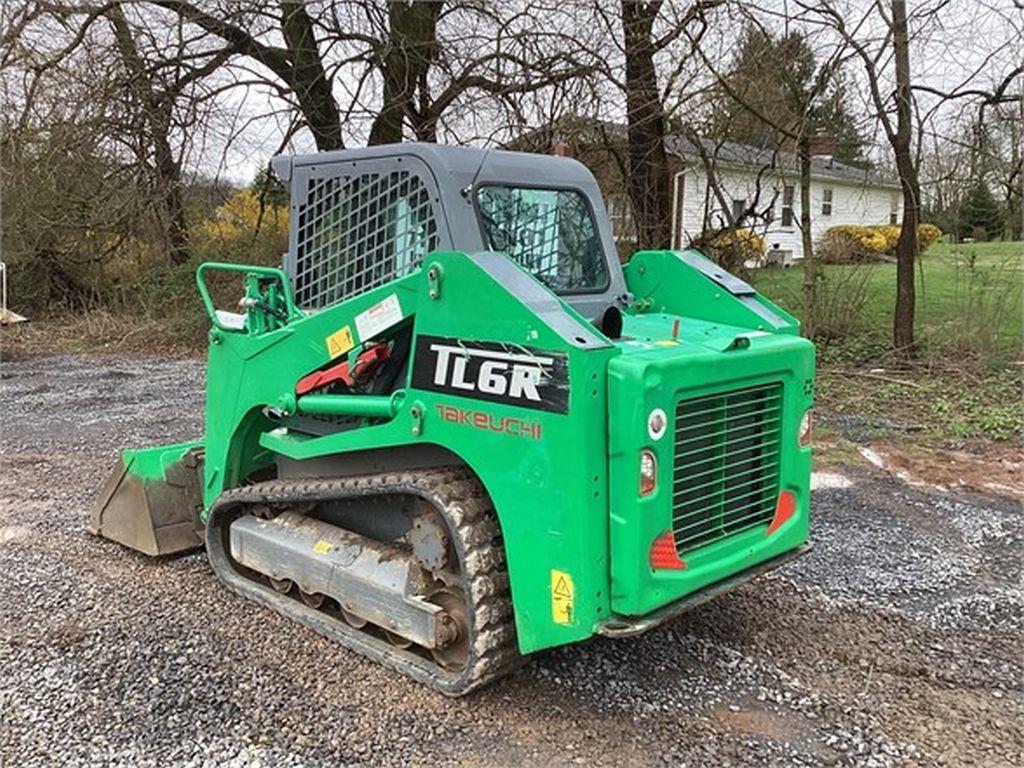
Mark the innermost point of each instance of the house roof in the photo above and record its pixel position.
(735, 155)
(728, 154)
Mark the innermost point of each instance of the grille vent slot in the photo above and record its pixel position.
(726, 465)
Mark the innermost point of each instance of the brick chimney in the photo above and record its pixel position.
(823, 145)
(561, 148)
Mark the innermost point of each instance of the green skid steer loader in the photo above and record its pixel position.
(452, 430)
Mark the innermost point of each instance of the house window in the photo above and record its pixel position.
(787, 205)
(894, 209)
(826, 202)
(739, 207)
(620, 213)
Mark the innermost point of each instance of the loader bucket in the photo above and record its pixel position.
(153, 499)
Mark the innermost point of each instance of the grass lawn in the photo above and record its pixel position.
(966, 382)
(970, 298)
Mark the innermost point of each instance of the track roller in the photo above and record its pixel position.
(315, 600)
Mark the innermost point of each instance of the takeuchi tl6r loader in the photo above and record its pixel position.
(452, 430)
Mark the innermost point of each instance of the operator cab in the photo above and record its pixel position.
(362, 217)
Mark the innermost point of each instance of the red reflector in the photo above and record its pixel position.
(664, 556)
(784, 509)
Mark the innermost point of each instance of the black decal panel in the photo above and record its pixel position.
(511, 374)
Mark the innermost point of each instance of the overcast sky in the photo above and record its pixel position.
(954, 41)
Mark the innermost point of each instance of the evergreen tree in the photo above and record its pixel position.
(771, 77)
(980, 214)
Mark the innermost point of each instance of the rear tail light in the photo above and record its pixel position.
(663, 555)
(648, 472)
(804, 435)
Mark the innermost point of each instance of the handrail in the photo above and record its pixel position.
(273, 272)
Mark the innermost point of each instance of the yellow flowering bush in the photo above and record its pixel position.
(243, 229)
(927, 236)
(744, 239)
(733, 249)
(849, 243)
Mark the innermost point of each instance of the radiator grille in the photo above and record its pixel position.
(726, 467)
(358, 231)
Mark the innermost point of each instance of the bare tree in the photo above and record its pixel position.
(795, 123)
(885, 59)
(156, 93)
(70, 202)
(298, 64)
(645, 112)
(411, 51)
(149, 76)
(405, 57)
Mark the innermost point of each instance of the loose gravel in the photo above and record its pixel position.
(897, 641)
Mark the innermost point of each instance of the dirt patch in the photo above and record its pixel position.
(997, 468)
(759, 722)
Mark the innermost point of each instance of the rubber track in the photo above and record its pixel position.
(463, 503)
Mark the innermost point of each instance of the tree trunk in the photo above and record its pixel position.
(156, 118)
(309, 80)
(168, 174)
(906, 246)
(411, 50)
(1015, 212)
(648, 161)
(810, 263)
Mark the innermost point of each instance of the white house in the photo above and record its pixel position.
(766, 179)
(769, 182)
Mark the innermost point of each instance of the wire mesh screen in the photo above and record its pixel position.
(549, 232)
(358, 231)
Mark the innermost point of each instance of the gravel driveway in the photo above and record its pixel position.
(897, 641)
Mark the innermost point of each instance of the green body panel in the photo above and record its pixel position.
(697, 357)
(550, 492)
(661, 377)
(151, 464)
(660, 281)
(564, 485)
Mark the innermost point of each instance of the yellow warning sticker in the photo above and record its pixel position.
(322, 547)
(562, 597)
(339, 342)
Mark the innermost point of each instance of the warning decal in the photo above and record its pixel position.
(339, 342)
(379, 317)
(562, 596)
